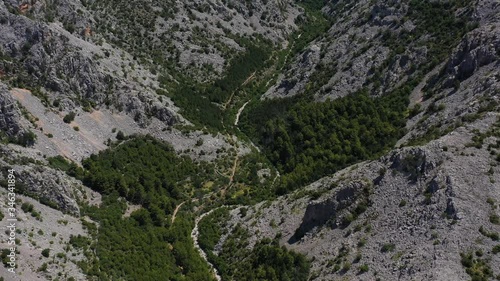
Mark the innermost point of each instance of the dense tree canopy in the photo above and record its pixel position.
(134, 248)
(145, 171)
(307, 140)
(145, 245)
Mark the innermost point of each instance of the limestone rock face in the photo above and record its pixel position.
(51, 187)
(9, 114)
(479, 48)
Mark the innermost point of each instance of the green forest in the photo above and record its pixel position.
(145, 245)
(148, 172)
(135, 248)
(201, 103)
(307, 140)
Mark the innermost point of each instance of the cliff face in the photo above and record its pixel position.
(66, 70)
(9, 116)
(50, 186)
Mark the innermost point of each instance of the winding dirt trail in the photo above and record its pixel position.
(237, 119)
(177, 210)
(195, 233)
(231, 177)
(275, 178)
(234, 92)
(233, 170)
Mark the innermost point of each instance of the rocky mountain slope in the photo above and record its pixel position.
(80, 77)
(425, 212)
(376, 44)
(56, 61)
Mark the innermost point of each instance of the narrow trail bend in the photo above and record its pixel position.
(195, 233)
(177, 210)
(249, 78)
(237, 119)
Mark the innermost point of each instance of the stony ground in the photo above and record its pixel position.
(50, 230)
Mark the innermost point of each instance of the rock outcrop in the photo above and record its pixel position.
(9, 114)
(479, 48)
(51, 187)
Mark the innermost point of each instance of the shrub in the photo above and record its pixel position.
(346, 267)
(69, 117)
(363, 268)
(79, 242)
(402, 203)
(389, 247)
(494, 219)
(120, 136)
(26, 139)
(348, 219)
(69, 27)
(357, 258)
(492, 235)
(477, 268)
(415, 110)
(199, 142)
(46, 253)
(362, 242)
(27, 207)
(496, 249)
(43, 267)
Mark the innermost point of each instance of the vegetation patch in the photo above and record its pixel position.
(135, 248)
(146, 171)
(307, 140)
(490, 234)
(203, 104)
(265, 261)
(211, 229)
(389, 247)
(25, 139)
(146, 245)
(477, 268)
